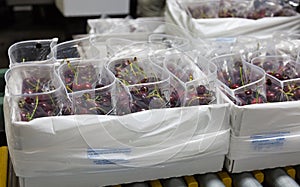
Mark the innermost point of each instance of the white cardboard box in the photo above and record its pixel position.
(184, 167)
(78, 8)
(229, 27)
(263, 136)
(263, 151)
(264, 118)
(154, 144)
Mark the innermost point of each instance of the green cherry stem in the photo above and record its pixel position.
(241, 75)
(35, 107)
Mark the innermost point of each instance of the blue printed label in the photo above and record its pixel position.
(107, 156)
(268, 142)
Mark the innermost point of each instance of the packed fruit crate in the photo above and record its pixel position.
(130, 108)
(231, 18)
(113, 106)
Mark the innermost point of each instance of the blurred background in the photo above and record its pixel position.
(44, 19)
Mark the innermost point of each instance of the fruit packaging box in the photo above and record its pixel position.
(252, 119)
(69, 145)
(263, 150)
(218, 27)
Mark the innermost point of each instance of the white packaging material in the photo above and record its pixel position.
(128, 175)
(97, 143)
(265, 118)
(229, 27)
(263, 151)
(242, 147)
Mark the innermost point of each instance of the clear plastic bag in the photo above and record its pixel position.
(203, 9)
(283, 78)
(234, 8)
(90, 86)
(157, 44)
(147, 83)
(35, 91)
(75, 49)
(189, 85)
(242, 82)
(244, 45)
(287, 44)
(31, 51)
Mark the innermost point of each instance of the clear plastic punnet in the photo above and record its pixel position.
(242, 82)
(90, 86)
(75, 49)
(158, 45)
(189, 85)
(34, 91)
(147, 83)
(32, 51)
(243, 44)
(282, 79)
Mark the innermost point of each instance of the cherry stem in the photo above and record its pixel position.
(35, 107)
(96, 108)
(74, 71)
(241, 75)
(68, 88)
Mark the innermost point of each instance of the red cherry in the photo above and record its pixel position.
(234, 86)
(256, 100)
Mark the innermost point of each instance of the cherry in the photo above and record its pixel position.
(248, 92)
(201, 89)
(257, 100)
(234, 86)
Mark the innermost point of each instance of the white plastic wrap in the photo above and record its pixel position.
(88, 143)
(224, 27)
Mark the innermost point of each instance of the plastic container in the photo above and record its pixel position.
(31, 51)
(190, 85)
(75, 49)
(242, 82)
(90, 86)
(288, 44)
(147, 83)
(244, 45)
(158, 45)
(234, 8)
(282, 79)
(34, 91)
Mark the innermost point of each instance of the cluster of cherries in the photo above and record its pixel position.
(235, 79)
(256, 10)
(193, 95)
(144, 96)
(275, 91)
(85, 89)
(203, 11)
(38, 100)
